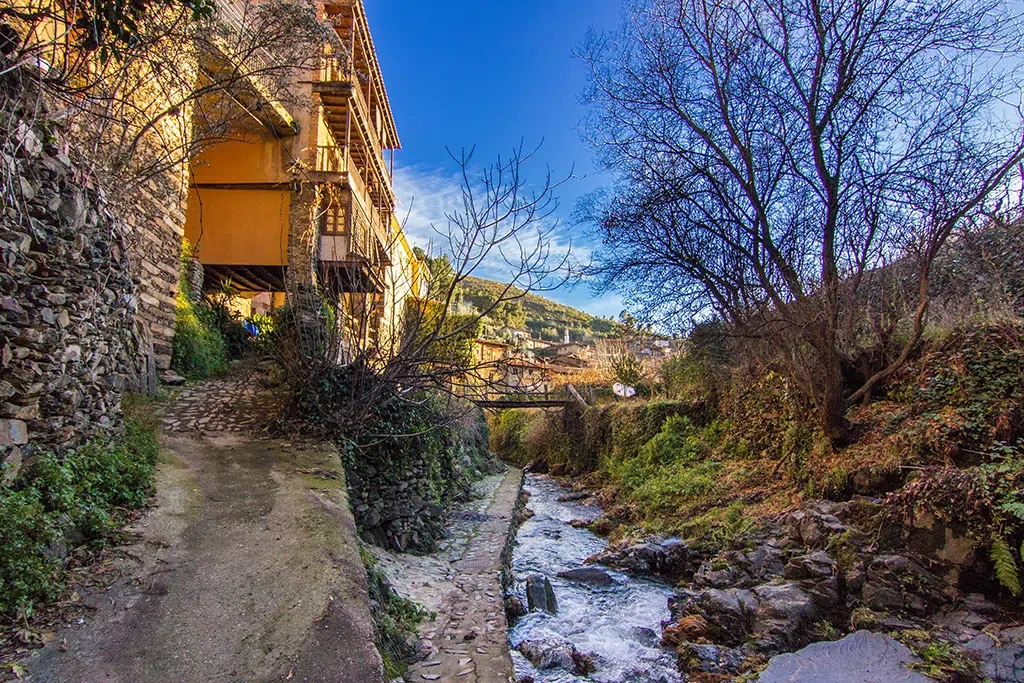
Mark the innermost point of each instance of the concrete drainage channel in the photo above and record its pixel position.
(461, 583)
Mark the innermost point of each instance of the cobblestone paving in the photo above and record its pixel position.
(468, 639)
(236, 403)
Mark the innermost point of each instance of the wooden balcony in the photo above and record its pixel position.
(349, 118)
(352, 256)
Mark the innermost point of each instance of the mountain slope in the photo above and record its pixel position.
(545, 318)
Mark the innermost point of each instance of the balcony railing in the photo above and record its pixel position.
(331, 159)
(338, 79)
(254, 62)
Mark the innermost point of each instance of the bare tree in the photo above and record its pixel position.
(147, 92)
(407, 340)
(776, 156)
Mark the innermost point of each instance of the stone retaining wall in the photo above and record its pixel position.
(68, 347)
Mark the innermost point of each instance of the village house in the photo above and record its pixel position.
(302, 199)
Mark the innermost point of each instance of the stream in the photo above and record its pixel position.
(617, 625)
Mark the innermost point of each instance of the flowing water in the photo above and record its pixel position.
(618, 625)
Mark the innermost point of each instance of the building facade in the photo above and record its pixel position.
(299, 202)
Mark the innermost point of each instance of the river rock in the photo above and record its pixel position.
(741, 569)
(668, 558)
(709, 658)
(514, 608)
(540, 595)
(861, 657)
(1001, 654)
(784, 614)
(588, 575)
(729, 612)
(556, 653)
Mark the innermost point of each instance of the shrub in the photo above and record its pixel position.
(198, 348)
(87, 491)
(509, 429)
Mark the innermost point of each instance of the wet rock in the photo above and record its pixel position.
(647, 637)
(556, 653)
(729, 612)
(514, 608)
(667, 558)
(540, 595)
(710, 658)
(784, 614)
(588, 575)
(861, 657)
(572, 497)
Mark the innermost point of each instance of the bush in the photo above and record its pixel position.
(85, 492)
(198, 348)
(509, 429)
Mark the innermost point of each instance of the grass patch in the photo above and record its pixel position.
(80, 496)
(939, 659)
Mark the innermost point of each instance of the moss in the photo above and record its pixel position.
(395, 620)
(87, 491)
(940, 660)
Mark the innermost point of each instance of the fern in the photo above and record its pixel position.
(1005, 565)
(1013, 508)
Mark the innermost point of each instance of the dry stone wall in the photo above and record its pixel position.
(155, 228)
(68, 343)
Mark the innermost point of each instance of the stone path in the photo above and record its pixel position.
(236, 403)
(468, 640)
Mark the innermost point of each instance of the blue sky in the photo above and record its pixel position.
(488, 73)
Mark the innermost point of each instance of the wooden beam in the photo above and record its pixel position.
(242, 186)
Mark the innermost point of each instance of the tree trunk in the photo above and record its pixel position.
(832, 404)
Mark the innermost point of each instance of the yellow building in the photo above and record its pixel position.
(302, 199)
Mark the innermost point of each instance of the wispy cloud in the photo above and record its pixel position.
(607, 305)
(426, 197)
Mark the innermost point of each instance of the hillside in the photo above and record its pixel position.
(545, 318)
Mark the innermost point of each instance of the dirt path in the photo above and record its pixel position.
(247, 570)
(469, 637)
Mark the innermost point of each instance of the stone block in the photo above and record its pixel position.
(13, 433)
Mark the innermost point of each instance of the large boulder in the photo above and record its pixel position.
(728, 613)
(897, 583)
(861, 657)
(1001, 654)
(540, 595)
(667, 558)
(814, 524)
(741, 569)
(785, 613)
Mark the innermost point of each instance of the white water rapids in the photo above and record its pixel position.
(618, 625)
